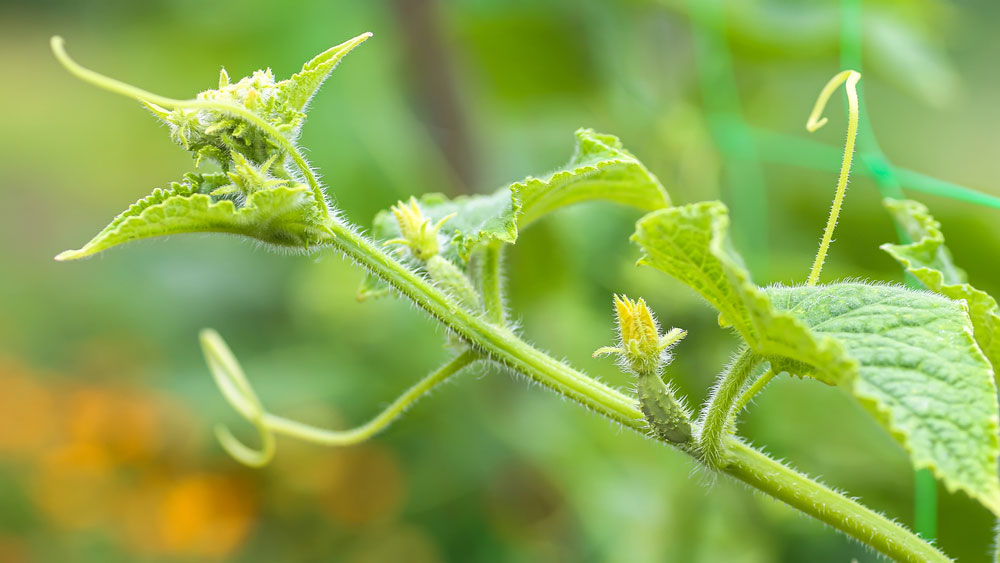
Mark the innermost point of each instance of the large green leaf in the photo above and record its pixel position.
(285, 216)
(691, 244)
(600, 169)
(928, 259)
(907, 356)
(919, 372)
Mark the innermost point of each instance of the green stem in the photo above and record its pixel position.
(240, 395)
(715, 416)
(499, 343)
(491, 281)
(231, 380)
(280, 425)
(752, 391)
(742, 462)
(826, 505)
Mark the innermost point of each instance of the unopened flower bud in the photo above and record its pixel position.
(640, 346)
(416, 231)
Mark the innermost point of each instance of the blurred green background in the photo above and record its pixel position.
(106, 407)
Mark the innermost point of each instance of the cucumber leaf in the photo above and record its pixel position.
(599, 169)
(286, 216)
(691, 243)
(919, 372)
(929, 260)
(907, 356)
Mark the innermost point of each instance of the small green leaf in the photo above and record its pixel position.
(918, 370)
(600, 169)
(929, 260)
(302, 86)
(285, 216)
(691, 244)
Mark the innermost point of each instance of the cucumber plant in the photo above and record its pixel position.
(919, 360)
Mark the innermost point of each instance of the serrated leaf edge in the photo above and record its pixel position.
(123, 221)
(934, 241)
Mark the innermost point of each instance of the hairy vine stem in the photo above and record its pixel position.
(724, 396)
(756, 387)
(491, 281)
(497, 341)
(741, 461)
